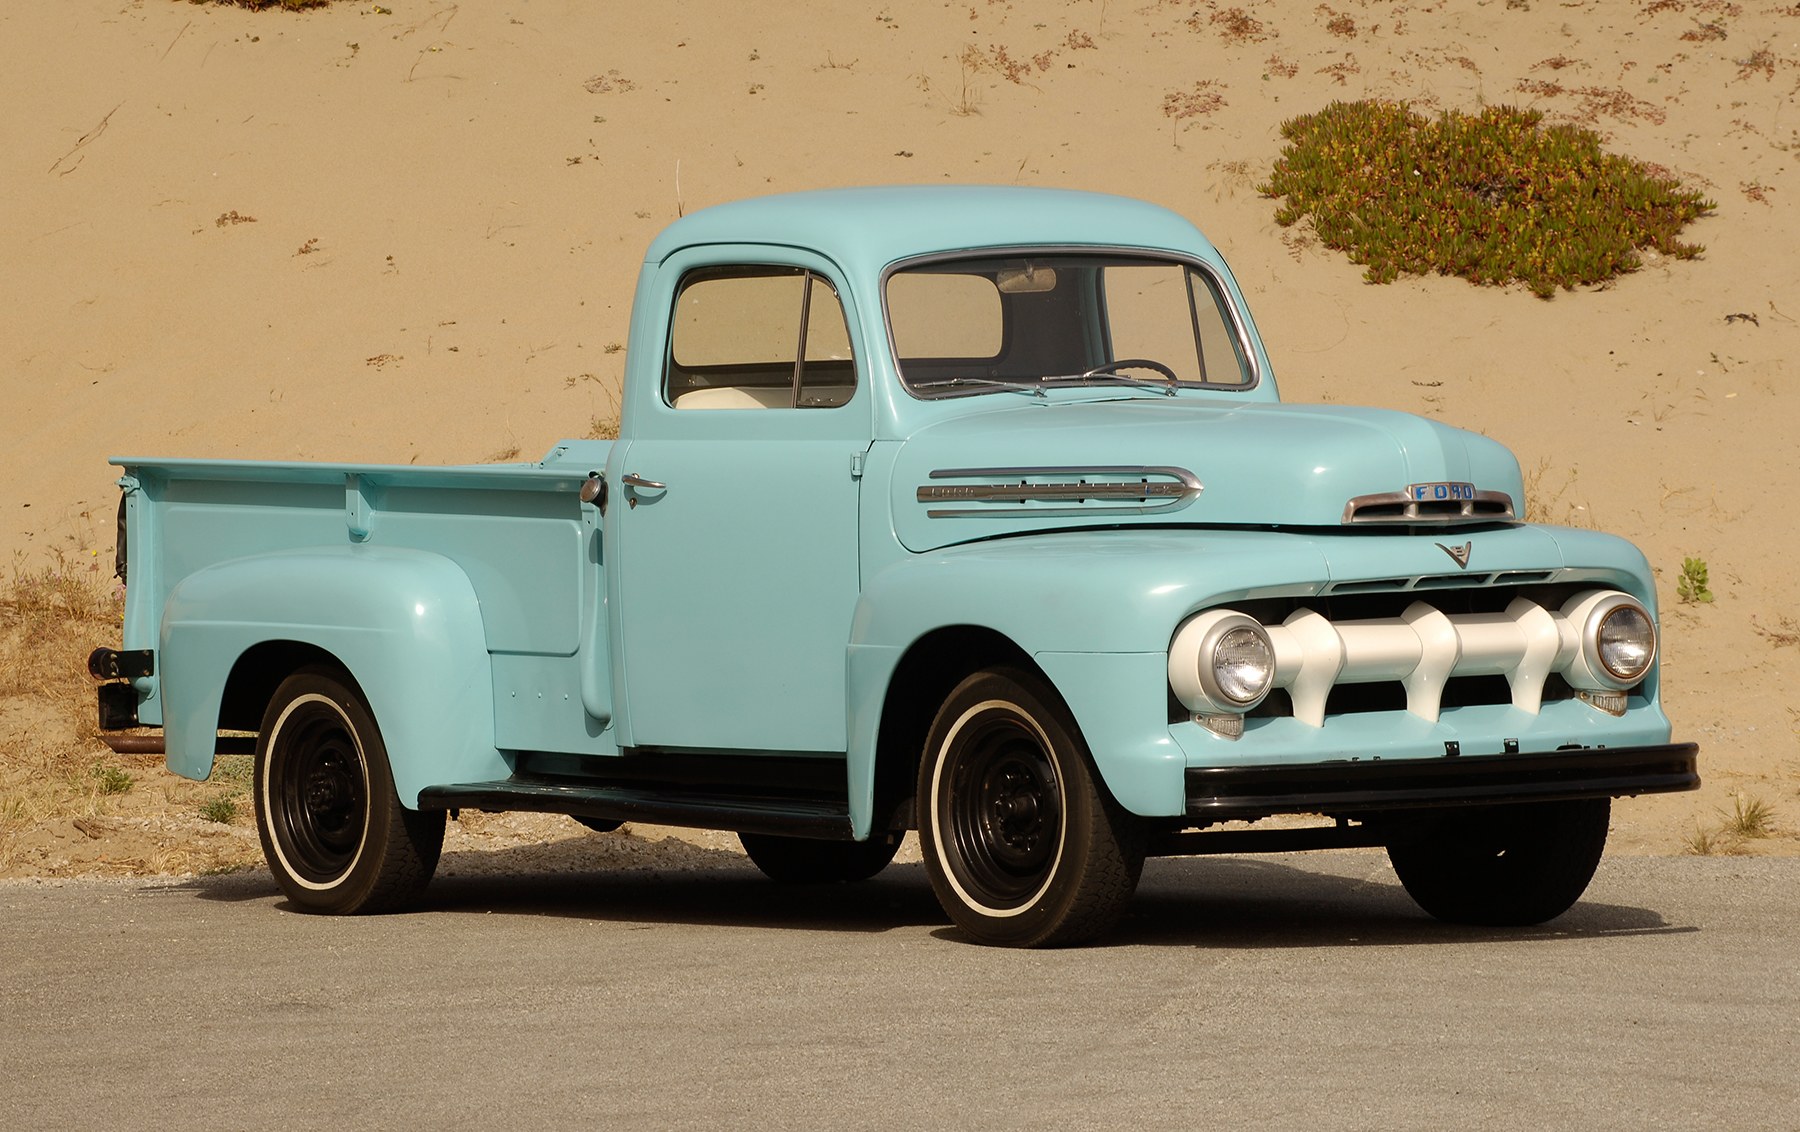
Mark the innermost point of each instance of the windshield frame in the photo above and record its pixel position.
(1216, 278)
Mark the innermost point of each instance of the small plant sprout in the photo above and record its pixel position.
(1691, 587)
(109, 779)
(222, 809)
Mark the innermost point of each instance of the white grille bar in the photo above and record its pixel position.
(1422, 649)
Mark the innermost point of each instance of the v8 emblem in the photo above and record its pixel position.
(1458, 554)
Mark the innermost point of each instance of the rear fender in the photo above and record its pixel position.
(403, 623)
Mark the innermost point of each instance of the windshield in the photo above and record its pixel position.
(1026, 322)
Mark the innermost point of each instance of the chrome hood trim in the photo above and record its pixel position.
(1153, 490)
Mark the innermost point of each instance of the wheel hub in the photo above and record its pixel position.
(1015, 811)
(1005, 811)
(327, 794)
(318, 777)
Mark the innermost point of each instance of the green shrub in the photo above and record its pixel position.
(1497, 197)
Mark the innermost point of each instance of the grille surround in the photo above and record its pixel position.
(1539, 641)
(1401, 508)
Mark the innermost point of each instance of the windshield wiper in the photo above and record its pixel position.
(1110, 371)
(984, 383)
(1151, 384)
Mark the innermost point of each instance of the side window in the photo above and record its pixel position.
(1222, 357)
(758, 337)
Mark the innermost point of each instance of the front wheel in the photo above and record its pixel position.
(332, 828)
(1021, 846)
(1504, 865)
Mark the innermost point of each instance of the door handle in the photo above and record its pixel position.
(632, 479)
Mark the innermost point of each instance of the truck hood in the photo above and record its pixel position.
(1150, 460)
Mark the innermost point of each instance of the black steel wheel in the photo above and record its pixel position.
(1503, 865)
(332, 828)
(1021, 846)
(802, 860)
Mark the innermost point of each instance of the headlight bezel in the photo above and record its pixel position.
(1194, 662)
(1592, 613)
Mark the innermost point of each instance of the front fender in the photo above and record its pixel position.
(404, 623)
(1094, 610)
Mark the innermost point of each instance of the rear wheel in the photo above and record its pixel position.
(332, 828)
(1021, 846)
(801, 860)
(1504, 865)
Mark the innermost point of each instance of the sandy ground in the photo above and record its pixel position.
(408, 232)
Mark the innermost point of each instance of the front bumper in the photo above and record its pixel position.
(1347, 788)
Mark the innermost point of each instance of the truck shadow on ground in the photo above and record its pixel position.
(1263, 902)
(1218, 902)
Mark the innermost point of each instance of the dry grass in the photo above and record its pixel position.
(1550, 495)
(69, 806)
(1750, 819)
(1784, 633)
(51, 761)
(1205, 98)
(1702, 842)
(51, 616)
(290, 5)
(1596, 102)
(1234, 25)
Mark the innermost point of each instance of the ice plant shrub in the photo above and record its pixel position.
(1495, 197)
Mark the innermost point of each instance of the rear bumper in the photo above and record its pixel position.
(1359, 788)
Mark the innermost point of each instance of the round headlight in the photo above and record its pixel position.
(1221, 662)
(1243, 664)
(1625, 643)
(1617, 641)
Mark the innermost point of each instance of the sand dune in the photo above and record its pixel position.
(411, 235)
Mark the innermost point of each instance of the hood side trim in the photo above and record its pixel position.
(1151, 489)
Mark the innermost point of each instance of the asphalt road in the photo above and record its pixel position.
(1294, 991)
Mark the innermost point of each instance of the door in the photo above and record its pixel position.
(735, 508)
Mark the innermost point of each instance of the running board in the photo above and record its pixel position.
(792, 817)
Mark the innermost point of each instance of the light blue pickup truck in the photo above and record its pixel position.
(966, 510)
